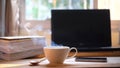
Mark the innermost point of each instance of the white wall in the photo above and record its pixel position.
(113, 5)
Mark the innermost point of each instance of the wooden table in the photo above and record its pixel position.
(69, 63)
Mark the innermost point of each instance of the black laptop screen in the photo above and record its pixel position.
(81, 28)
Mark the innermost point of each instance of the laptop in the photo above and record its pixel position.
(85, 29)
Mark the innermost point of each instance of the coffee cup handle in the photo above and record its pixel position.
(73, 48)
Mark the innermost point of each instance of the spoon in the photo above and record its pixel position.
(35, 63)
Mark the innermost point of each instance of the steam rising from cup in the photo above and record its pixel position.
(54, 44)
(32, 31)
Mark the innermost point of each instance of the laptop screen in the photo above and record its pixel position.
(81, 28)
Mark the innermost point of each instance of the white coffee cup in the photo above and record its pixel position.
(57, 54)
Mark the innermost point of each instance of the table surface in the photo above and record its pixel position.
(69, 63)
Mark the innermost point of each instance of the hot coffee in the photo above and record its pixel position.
(57, 54)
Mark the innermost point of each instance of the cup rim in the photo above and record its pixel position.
(56, 47)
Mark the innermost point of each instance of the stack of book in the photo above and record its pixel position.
(18, 47)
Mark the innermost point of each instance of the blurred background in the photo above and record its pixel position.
(33, 17)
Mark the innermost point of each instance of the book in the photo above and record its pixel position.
(20, 44)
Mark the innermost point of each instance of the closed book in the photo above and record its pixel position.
(10, 46)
